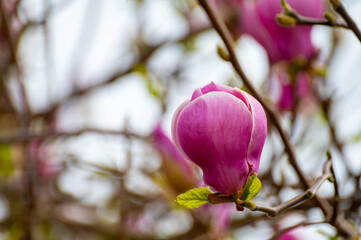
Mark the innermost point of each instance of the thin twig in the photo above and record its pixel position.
(145, 55)
(308, 194)
(303, 20)
(124, 201)
(336, 198)
(339, 8)
(25, 136)
(12, 43)
(326, 105)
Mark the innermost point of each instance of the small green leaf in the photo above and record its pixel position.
(194, 198)
(252, 188)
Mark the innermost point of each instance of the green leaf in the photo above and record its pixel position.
(252, 188)
(194, 198)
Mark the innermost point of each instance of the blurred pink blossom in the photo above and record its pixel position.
(46, 168)
(139, 224)
(258, 19)
(281, 43)
(179, 169)
(284, 91)
(289, 235)
(175, 166)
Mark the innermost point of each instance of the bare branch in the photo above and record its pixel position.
(308, 194)
(302, 20)
(145, 55)
(339, 8)
(25, 136)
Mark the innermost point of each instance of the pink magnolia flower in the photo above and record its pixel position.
(222, 130)
(281, 43)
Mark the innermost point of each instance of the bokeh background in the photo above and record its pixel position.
(84, 83)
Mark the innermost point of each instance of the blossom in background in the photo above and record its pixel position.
(175, 166)
(288, 236)
(46, 167)
(258, 19)
(222, 130)
(283, 45)
(221, 219)
(140, 224)
(300, 233)
(296, 233)
(284, 91)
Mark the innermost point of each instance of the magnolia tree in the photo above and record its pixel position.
(209, 119)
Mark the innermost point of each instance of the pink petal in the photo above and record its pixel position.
(211, 135)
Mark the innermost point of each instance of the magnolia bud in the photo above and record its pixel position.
(222, 130)
(285, 20)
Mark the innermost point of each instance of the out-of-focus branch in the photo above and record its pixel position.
(336, 199)
(326, 105)
(144, 56)
(339, 8)
(25, 136)
(302, 224)
(302, 20)
(123, 198)
(12, 43)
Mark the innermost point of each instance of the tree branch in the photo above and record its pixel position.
(339, 8)
(12, 44)
(225, 35)
(337, 198)
(144, 56)
(308, 194)
(303, 20)
(25, 136)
